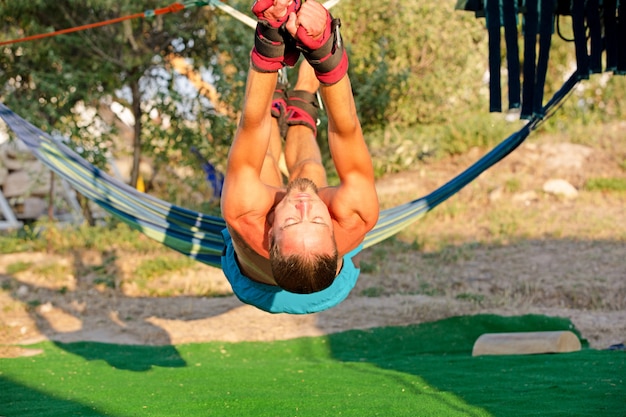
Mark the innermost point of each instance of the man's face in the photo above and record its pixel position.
(302, 222)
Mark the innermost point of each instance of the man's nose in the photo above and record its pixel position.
(303, 207)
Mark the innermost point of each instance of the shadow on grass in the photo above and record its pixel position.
(582, 383)
(127, 357)
(96, 309)
(19, 400)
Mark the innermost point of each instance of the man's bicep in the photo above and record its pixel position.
(248, 151)
(243, 193)
(353, 159)
(356, 198)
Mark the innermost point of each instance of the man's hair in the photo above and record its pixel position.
(303, 273)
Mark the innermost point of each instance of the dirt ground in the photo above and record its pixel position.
(504, 245)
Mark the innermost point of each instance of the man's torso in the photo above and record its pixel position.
(249, 235)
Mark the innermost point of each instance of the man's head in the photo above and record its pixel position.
(303, 252)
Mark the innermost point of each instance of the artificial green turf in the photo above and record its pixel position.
(422, 370)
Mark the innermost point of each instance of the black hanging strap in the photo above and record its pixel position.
(546, 27)
(531, 21)
(580, 38)
(509, 20)
(592, 9)
(492, 14)
(621, 34)
(609, 15)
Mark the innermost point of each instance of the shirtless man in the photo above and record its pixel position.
(289, 249)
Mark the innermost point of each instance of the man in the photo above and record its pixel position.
(290, 249)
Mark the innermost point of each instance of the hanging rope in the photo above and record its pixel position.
(245, 19)
(173, 8)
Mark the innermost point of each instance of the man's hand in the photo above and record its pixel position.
(275, 12)
(309, 25)
(317, 36)
(273, 47)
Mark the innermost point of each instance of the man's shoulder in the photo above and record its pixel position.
(246, 201)
(352, 206)
(248, 232)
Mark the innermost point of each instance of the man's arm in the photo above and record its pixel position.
(354, 204)
(347, 145)
(245, 196)
(350, 154)
(244, 193)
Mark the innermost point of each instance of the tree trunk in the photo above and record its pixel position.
(84, 205)
(136, 104)
(181, 66)
(51, 198)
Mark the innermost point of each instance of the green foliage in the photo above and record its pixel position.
(427, 288)
(52, 272)
(161, 265)
(417, 71)
(395, 148)
(512, 185)
(372, 292)
(18, 267)
(61, 82)
(606, 184)
(474, 298)
(24, 239)
(412, 48)
(63, 239)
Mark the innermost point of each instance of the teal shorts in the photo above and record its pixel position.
(274, 299)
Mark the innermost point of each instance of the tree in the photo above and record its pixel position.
(60, 82)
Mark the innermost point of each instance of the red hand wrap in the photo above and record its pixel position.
(326, 55)
(269, 49)
(260, 6)
(273, 46)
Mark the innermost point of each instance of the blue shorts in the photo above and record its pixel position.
(274, 299)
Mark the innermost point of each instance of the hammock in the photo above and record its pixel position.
(198, 235)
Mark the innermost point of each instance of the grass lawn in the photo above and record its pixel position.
(422, 370)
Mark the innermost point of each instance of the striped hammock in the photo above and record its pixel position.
(198, 235)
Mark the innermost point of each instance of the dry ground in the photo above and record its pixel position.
(502, 245)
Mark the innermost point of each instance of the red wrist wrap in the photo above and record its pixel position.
(327, 55)
(273, 46)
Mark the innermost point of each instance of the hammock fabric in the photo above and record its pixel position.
(199, 235)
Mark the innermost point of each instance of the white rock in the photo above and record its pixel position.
(560, 187)
(496, 194)
(525, 197)
(22, 291)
